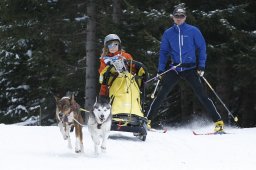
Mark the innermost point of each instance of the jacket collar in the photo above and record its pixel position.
(182, 26)
(113, 54)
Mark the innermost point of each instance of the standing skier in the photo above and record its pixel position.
(181, 42)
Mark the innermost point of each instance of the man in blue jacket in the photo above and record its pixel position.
(181, 43)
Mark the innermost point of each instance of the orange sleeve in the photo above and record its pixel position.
(127, 56)
(103, 90)
(102, 65)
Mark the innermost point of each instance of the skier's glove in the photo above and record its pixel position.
(200, 73)
(158, 75)
(107, 60)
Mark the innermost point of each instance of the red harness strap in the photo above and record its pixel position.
(119, 125)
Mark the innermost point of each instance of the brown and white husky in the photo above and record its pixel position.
(69, 117)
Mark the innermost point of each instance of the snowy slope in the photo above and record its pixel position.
(42, 148)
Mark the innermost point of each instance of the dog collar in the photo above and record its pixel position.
(99, 126)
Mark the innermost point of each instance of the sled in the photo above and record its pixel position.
(126, 82)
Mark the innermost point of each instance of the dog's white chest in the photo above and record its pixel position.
(70, 117)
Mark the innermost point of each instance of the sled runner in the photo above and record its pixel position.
(125, 79)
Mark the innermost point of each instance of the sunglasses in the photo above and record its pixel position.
(113, 45)
(179, 16)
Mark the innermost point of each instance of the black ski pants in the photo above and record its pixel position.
(170, 79)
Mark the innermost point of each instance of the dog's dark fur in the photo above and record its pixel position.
(69, 117)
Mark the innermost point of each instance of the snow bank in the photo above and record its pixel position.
(43, 148)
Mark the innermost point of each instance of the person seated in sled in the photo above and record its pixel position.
(112, 47)
(112, 52)
(121, 80)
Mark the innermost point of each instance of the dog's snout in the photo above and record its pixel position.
(102, 118)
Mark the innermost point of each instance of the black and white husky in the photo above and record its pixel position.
(99, 124)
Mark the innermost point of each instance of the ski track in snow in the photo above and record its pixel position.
(43, 148)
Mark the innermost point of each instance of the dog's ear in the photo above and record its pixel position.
(56, 98)
(103, 99)
(73, 98)
(95, 101)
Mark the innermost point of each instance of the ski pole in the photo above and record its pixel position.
(172, 68)
(153, 94)
(229, 113)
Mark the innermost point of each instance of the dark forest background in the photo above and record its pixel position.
(44, 51)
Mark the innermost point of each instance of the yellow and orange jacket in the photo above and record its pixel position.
(104, 88)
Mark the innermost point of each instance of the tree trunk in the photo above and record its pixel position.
(117, 11)
(91, 70)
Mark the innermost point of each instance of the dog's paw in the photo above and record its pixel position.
(96, 154)
(65, 137)
(70, 146)
(103, 149)
(78, 151)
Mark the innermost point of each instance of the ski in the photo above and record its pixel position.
(158, 130)
(210, 133)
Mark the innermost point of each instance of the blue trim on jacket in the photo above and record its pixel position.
(181, 44)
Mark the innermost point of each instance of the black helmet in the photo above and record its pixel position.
(179, 11)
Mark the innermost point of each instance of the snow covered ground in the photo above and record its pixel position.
(42, 148)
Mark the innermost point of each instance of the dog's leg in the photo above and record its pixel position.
(105, 135)
(80, 118)
(67, 130)
(77, 147)
(79, 139)
(104, 142)
(60, 124)
(96, 141)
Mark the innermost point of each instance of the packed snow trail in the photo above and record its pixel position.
(43, 148)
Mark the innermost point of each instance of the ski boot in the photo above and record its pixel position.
(149, 124)
(219, 126)
(157, 125)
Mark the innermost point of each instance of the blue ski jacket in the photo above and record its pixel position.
(182, 43)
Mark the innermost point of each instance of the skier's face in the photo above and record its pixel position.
(113, 46)
(179, 19)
